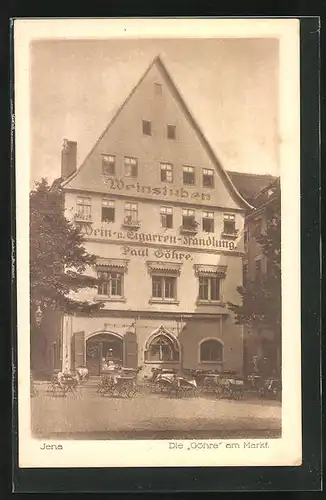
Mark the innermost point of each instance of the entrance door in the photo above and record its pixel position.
(102, 350)
(93, 357)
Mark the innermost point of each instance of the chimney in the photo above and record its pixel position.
(68, 158)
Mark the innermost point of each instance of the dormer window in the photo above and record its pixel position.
(108, 164)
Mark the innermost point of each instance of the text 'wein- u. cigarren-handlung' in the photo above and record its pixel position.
(189, 241)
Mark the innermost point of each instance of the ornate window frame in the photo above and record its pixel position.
(165, 269)
(112, 265)
(165, 332)
(211, 271)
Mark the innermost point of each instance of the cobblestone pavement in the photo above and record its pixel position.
(152, 416)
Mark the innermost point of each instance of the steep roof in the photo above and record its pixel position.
(165, 74)
(251, 185)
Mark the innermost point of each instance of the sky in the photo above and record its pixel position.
(229, 85)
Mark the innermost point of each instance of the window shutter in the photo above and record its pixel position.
(79, 349)
(130, 345)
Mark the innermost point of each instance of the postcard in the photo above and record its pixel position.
(157, 167)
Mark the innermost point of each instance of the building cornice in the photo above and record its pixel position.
(182, 316)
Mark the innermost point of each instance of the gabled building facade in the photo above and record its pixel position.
(166, 224)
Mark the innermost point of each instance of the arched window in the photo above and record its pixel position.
(211, 350)
(163, 349)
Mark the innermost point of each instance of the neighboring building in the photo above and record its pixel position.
(262, 191)
(166, 223)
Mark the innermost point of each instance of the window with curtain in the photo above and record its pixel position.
(131, 166)
(164, 287)
(110, 283)
(84, 209)
(209, 288)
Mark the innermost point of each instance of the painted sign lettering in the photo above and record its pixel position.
(120, 184)
(159, 253)
(187, 241)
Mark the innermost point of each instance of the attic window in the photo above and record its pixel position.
(147, 127)
(158, 89)
(108, 165)
(188, 175)
(171, 131)
(208, 177)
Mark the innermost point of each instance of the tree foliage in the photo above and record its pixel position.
(260, 299)
(58, 259)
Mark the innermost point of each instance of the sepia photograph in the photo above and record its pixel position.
(152, 202)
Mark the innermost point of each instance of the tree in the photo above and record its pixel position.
(58, 259)
(260, 298)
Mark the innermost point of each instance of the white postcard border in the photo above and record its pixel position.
(140, 453)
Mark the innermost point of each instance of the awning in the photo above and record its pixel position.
(112, 263)
(209, 270)
(165, 267)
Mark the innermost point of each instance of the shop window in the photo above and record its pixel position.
(164, 287)
(110, 283)
(131, 167)
(108, 211)
(108, 165)
(189, 175)
(84, 208)
(188, 219)
(229, 224)
(208, 222)
(162, 349)
(166, 172)
(211, 351)
(166, 217)
(208, 177)
(171, 132)
(209, 288)
(147, 127)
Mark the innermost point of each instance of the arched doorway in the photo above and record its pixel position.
(103, 349)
